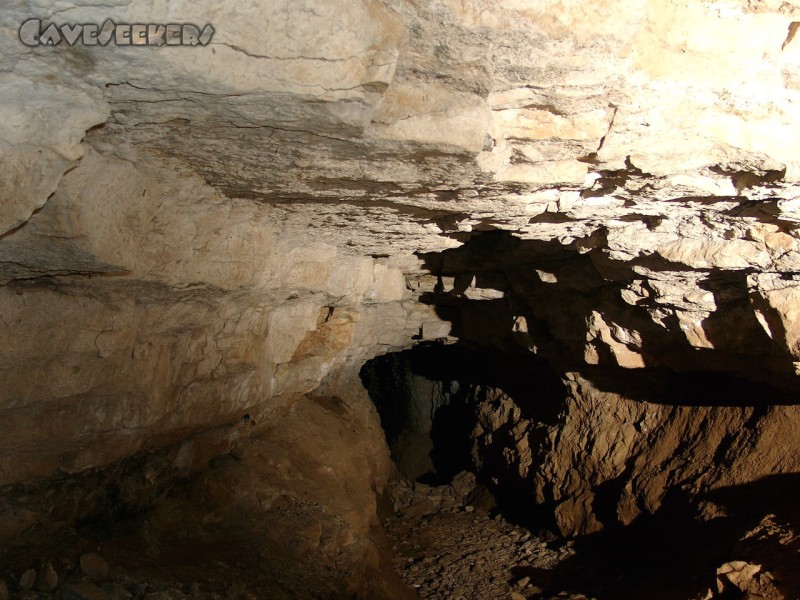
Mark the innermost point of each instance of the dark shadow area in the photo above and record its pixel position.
(675, 553)
(461, 376)
(428, 400)
(559, 289)
(556, 292)
(734, 305)
(688, 388)
(709, 388)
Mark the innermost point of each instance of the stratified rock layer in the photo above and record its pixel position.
(191, 235)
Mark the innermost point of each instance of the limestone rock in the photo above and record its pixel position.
(30, 176)
(744, 577)
(188, 236)
(602, 436)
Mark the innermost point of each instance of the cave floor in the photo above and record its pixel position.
(446, 542)
(450, 542)
(466, 555)
(279, 519)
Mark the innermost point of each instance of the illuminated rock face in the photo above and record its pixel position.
(191, 234)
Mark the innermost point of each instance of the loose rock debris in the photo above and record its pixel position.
(447, 545)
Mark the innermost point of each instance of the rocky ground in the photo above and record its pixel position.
(91, 578)
(448, 542)
(447, 545)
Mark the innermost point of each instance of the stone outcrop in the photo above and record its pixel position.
(609, 458)
(134, 320)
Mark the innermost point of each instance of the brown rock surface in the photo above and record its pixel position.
(93, 565)
(47, 579)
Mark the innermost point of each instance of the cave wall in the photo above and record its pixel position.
(132, 324)
(609, 458)
(581, 451)
(188, 235)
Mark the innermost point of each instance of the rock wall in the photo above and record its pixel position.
(189, 235)
(609, 459)
(132, 323)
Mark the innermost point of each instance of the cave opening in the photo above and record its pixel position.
(516, 424)
(450, 409)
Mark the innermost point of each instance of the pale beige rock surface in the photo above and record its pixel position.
(189, 235)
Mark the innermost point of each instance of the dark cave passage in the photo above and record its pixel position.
(618, 462)
(509, 418)
(433, 401)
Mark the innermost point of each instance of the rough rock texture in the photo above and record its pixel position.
(608, 458)
(470, 555)
(192, 235)
(270, 516)
(142, 322)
